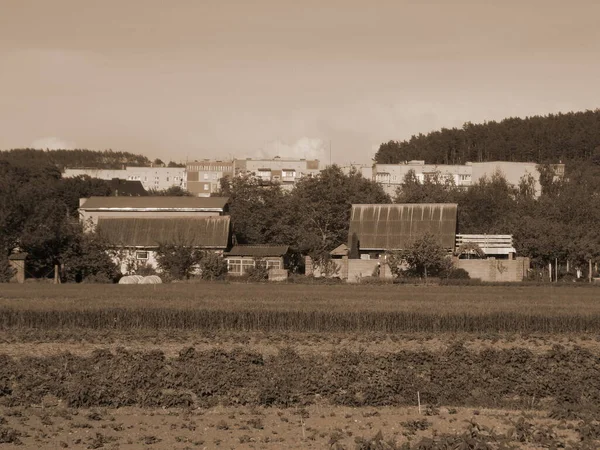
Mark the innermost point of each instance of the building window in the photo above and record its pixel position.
(167, 178)
(274, 264)
(234, 266)
(141, 255)
(247, 264)
(214, 176)
(288, 173)
(206, 187)
(206, 176)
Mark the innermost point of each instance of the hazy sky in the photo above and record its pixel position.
(205, 79)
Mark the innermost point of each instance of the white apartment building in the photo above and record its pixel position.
(365, 170)
(391, 176)
(157, 178)
(278, 170)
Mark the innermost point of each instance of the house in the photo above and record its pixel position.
(93, 208)
(383, 227)
(134, 241)
(241, 257)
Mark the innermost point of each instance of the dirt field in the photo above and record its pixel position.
(317, 426)
(71, 376)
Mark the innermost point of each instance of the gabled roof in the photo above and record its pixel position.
(340, 250)
(258, 251)
(393, 227)
(206, 232)
(158, 203)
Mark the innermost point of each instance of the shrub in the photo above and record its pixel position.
(179, 261)
(6, 271)
(259, 272)
(458, 274)
(213, 266)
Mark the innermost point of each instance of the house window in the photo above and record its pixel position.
(289, 173)
(206, 187)
(247, 264)
(141, 255)
(234, 266)
(274, 264)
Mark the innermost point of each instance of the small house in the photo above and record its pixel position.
(241, 257)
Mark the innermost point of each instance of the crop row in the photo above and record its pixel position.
(318, 321)
(511, 378)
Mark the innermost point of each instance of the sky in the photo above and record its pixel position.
(220, 79)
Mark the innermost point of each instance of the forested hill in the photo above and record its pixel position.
(542, 139)
(74, 159)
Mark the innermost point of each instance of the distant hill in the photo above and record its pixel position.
(573, 136)
(74, 159)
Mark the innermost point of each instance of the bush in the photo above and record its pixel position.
(458, 274)
(99, 278)
(259, 272)
(213, 266)
(6, 271)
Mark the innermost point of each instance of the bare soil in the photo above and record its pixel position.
(315, 426)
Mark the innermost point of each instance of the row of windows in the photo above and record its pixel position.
(240, 266)
(210, 168)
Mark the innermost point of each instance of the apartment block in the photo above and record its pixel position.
(278, 170)
(203, 177)
(157, 178)
(391, 176)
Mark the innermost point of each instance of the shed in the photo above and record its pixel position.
(382, 227)
(241, 257)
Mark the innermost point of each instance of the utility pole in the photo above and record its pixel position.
(330, 152)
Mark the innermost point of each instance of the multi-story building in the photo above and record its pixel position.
(391, 176)
(156, 178)
(203, 177)
(364, 169)
(278, 170)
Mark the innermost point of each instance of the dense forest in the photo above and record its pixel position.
(74, 159)
(573, 136)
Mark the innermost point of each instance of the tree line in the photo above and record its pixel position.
(574, 136)
(81, 158)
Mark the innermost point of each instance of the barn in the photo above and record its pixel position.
(381, 227)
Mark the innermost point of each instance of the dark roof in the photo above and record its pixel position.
(130, 188)
(156, 203)
(258, 251)
(392, 227)
(209, 232)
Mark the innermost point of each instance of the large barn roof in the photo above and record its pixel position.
(392, 227)
(157, 203)
(208, 232)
